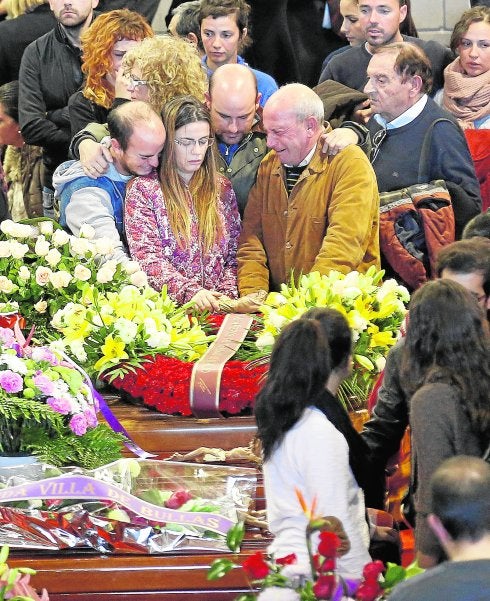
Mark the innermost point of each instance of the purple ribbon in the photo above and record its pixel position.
(116, 425)
(85, 487)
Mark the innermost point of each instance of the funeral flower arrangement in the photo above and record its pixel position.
(114, 332)
(130, 505)
(373, 310)
(47, 408)
(43, 268)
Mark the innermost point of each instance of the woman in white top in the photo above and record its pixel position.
(308, 441)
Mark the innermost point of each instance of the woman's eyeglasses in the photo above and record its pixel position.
(136, 83)
(189, 142)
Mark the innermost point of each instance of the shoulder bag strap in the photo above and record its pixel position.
(424, 161)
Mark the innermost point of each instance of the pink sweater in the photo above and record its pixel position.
(152, 243)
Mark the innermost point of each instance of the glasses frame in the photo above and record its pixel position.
(137, 83)
(187, 143)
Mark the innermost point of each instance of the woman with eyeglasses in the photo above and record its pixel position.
(445, 370)
(182, 225)
(104, 46)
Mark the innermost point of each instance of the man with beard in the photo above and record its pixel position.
(137, 138)
(50, 73)
(381, 21)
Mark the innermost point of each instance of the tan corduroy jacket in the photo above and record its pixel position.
(330, 221)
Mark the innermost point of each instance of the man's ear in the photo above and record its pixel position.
(116, 146)
(311, 126)
(207, 99)
(192, 37)
(403, 12)
(438, 529)
(257, 100)
(416, 85)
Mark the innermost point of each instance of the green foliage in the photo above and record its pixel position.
(219, 568)
(235, 536)
(97, 447)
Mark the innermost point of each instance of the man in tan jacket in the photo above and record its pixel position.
(307, 211)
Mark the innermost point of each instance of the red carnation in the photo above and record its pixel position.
(373, 569)
(287, 560)
(329, 543)
(324, 586)
(255, 566)
(368, 591)
(328, 565)
(178, 498)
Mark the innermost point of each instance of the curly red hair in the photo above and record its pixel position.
(97, 44)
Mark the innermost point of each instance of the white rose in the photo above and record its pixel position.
(82, 273)
(42, 275)
(278, 321)
(24, 273)
(104, 246)
(14, 363)
(41, 306)
(60, 237)
(138, 279)
(16, 230)
(58, 321)
(6, 285)
(131, 267)
(53, 257)
(5, 249)
(104, 275)
(87, 232)
(111, 264)
(149, 325)
(78, 350)
(80, 246)
(45, 227)
(264, 340)
(42, 246)
(18, 250)
(127, 329)
(159, 340)
(60, 279)
(351, 292)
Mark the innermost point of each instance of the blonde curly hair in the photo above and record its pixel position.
(16, 8)
(171, 67)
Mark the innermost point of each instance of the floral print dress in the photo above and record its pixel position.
(184, 270)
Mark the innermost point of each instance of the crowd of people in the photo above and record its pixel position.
(223, 185)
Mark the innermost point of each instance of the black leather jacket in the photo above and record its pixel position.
(50, 73)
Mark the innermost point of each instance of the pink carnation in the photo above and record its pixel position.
(10, 381)
(62, 406)
(45, 385)
(7, 336)
(78, 424)
(41, 353)
(90, 417)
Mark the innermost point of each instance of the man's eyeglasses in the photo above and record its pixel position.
(189, 142)
(136, 83)
(377, 140)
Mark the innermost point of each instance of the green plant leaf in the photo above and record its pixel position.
(235, 536)
(219, 568)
